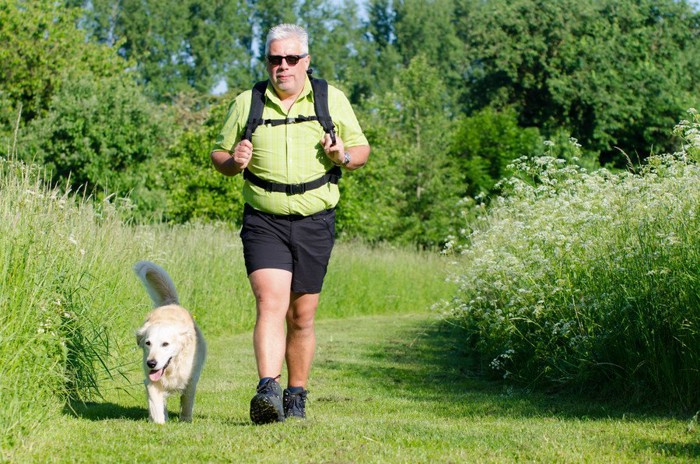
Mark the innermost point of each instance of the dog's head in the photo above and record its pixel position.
(161, 344)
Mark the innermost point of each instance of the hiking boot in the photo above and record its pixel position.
(266, 405)
(295, 404)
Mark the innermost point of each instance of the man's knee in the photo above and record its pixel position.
(300, 321)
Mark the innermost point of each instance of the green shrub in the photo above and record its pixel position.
(98, 133)
(39, 46)
(195, 190)
(486, 143)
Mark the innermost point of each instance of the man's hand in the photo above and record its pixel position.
(336, 153)
(232, 163)
(242, 154)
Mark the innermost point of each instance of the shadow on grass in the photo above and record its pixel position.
(94, 411)
(680, 450)
(427, 364)
(104, 411)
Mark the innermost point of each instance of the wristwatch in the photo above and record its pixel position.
(346, 158)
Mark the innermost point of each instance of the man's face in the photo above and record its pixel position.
(287, 80)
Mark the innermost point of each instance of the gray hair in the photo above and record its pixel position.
(285, 31)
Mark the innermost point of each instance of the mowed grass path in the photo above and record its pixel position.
(383, 389)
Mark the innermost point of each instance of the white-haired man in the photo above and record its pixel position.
(288, 231)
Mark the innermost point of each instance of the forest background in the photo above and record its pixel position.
(124, 98)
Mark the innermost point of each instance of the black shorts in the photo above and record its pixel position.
(301, 245)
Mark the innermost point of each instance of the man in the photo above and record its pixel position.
(287, 235)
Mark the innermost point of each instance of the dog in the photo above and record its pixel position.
(174, 349)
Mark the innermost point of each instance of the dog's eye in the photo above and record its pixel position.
(165, 344)
(148, 343)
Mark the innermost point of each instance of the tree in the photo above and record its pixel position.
(613, 73)
(334, 32)
(376, 61)
(178, 45)
(427, 28)
(409, 191)
(98, 133)
(486, 143)
(195, 191)
(39, 44)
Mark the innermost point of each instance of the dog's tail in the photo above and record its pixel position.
(158, 283)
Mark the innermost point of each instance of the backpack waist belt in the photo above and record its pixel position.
(331, 176)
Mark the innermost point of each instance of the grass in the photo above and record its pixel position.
(387, 388)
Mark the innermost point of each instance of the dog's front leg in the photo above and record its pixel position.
(157, 410)
(187, 403)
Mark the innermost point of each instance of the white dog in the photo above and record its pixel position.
(174, 349)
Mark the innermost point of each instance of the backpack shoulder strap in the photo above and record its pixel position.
(256, 109)
(320, 88)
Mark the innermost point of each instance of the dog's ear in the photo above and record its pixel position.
(141, 334)
(187, 334)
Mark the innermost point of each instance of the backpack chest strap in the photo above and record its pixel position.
(281, 121)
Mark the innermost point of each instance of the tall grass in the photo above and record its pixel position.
(41, 267)
(69, 302)
(591, 280)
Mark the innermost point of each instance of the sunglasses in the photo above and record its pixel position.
(292, 60)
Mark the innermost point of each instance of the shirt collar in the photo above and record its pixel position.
(271, 95)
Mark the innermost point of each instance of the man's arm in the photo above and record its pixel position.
(223, 162)
(358, 156)
(336, 153)
(230, 164)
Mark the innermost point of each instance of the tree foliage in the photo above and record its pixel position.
(116, 95)
(427, 28)
(614, 73)
(39, 45)
(177, 45)
(98, 132)
(195, 191)
(486, 143)
(409, 190)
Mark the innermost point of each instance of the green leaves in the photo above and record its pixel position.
(195, 191)
(613, 74)
(97, 132)
(409, 184)
(39, 44)
(177, 45)
(486, 143)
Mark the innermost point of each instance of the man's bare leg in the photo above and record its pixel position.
(271, 290)
(301, 337)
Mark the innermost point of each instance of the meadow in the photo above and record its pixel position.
(561, 326)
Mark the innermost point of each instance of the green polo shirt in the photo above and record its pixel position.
(290, 153)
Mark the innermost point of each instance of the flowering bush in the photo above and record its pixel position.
(590, 279)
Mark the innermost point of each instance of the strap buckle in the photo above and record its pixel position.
(295, 189)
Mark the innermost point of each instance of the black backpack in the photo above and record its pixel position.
(323, 116)
(320, 89)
